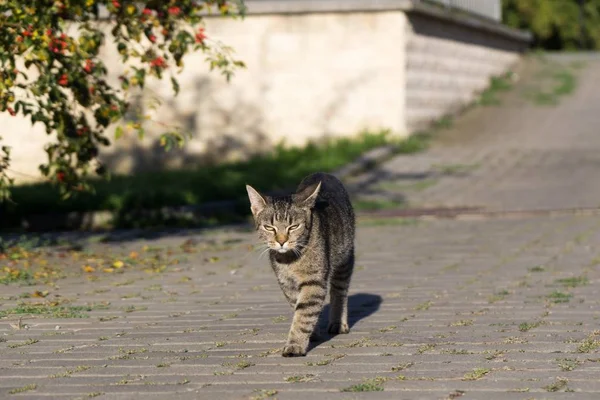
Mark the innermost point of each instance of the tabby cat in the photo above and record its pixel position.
(310, 237)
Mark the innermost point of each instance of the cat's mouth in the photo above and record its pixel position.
(282, 248)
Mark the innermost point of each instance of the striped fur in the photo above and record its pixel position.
(310, 236)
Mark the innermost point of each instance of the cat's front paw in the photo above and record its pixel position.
(335, 328)
(293, 350)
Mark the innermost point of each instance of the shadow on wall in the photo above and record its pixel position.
(450, 31)
(239, 127)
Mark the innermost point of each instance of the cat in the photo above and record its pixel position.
(310, 237)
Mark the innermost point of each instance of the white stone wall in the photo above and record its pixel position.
(448, 66)
(308, 76)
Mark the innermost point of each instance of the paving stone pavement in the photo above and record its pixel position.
(515, 156)
(495, 309)
(484, 308)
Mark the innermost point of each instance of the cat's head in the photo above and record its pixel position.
(284, 223)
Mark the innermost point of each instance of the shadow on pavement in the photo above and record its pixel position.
(360, 305)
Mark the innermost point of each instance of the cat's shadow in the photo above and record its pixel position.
(360, 305)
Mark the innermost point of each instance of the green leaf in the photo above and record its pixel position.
(118, 132)
(175, 85)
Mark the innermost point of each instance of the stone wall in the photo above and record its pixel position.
(314, 70)
(448, 64)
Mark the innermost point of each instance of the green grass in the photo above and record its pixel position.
(573, 281)
(16, 276)
(374, 205)
(526, 326)
(498, 84)
(559, 297)
(48, 310)
(590, 343)
(559, 384)
(125, 195)
(370, 385)
(22, 389)
(568, 364)
(476, 374)
(554, 82)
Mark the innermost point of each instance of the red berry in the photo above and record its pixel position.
(63, 80)
(147, 11)
(152, 38)
(174, 10)
(158, 62)
(60, 176)
(89, 65)
(200, 36)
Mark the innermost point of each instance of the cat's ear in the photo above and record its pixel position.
(308, 197)
(257, 201)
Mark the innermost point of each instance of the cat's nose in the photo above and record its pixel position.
(281, 239)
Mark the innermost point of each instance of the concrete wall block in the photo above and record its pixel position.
(447, 66)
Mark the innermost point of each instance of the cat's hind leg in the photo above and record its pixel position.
(338, 292)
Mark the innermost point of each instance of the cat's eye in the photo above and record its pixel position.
(293, 227)
(269, 228)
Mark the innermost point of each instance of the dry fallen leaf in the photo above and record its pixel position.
(118, 264)
(88, 268)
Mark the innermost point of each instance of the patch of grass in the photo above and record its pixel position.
(28, 342)
(244, 364)
(526, 326)
(559, 384)
(498, 84)
(476, 374)
(590, 343)
(498, 296)
(279, 318)
(493, 355)
(261, 394)
(70, 372)
(331, 358)
(573, 281)
(457, 351)
(300, 378)
(23, 389)
(48, 310)
(418, 141)
(132, 308)
(568, 364)
(370, 385)
(12, 276)
(126, 195)
(426, 347)
(423, 306)
(537, 268)
(388, 328)
(402, 367)
(554, 81)
(374, 205)
(462, 322)
(559, 297)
